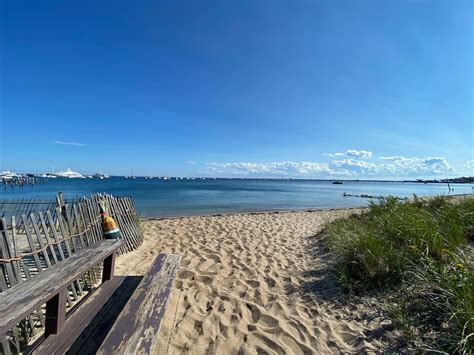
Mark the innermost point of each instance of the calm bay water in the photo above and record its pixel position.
(159, 198)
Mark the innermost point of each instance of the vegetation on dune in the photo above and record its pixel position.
(417, 252)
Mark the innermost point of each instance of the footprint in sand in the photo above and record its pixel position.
(253, 283)
(254, 311)
(270, 282)
(206, 280)
(185, 275)
(234, 318)
(268, 321)
(208, 264)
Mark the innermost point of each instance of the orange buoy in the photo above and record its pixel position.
(109, 226)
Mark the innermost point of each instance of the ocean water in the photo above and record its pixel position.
(163, 198)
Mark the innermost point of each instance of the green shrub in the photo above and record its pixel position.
(418, 249)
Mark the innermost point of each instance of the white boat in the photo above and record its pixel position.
(49, 176)
(69, 174)
(8, 175)
(101, 175)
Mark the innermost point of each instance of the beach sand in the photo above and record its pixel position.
(256, 283)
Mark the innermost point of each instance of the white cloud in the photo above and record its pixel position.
(353, 167)
(350, 167)
(351, 153)
(272, 168)
(69, 143)
(192, 162)
(469, 165)
(334, 154)
(418, 166)
(392, 158)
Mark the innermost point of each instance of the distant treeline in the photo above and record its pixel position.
(459, 180)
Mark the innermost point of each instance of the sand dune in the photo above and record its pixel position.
(255, 283)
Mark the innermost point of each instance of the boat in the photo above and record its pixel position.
(7, 175)
(100, 175)
(69, 174)
(337, 182)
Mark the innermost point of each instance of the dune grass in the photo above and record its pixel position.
(417, 253)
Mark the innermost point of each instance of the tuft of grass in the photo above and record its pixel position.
(417, 250)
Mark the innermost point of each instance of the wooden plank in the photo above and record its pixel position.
(47, 236)
(40, 240)
(81, 226)
(126, 233)
(136, 329)
(85, 223)
(60, 256)
(93, 316)
(131, 221)
(55, 313)
(5, 252)
(134, 219)
(109, 265)
(5, 345)
(14, 251)
(58, 242)
(19, 301)
(76, 230)
(26, 270)
(126, 222)
(89, 237)
(31, 243)
(91, 221)
(64, 234)
(3, 280)
(94, 203)
(70, 228)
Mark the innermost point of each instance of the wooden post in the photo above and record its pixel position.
(5, 345)
(109, 264)
(55, 313)
(62, 204)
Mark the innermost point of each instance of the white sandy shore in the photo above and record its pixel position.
(255, 283)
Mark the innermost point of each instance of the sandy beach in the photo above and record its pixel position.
(255, 283)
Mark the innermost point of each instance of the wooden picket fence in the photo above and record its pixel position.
(38, 238)
(10, 208)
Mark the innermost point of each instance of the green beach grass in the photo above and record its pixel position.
(418, 255)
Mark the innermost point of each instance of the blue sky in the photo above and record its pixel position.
(366, 89)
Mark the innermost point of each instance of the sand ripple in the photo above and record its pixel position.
(254, 283)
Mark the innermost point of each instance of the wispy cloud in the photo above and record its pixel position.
(192, 162)
(469, 164)
(69, 143)
(350, 167)
(351, 153)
